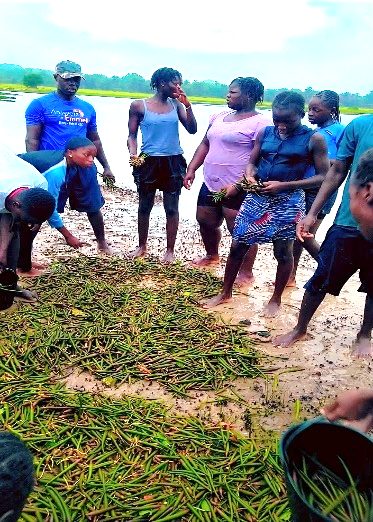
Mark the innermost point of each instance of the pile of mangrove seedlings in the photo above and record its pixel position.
(104, 459)
(125, 321)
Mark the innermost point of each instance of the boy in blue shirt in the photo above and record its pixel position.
(71, 175)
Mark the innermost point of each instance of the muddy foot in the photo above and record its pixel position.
(139, 252)
(34, 272)
(104, 248)
(215, 301)
(288, 339)
(205, 261)
(168, 258)
(39, 265)
(271, 309)
(244, 279)
(362, 348)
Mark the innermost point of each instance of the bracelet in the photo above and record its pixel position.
(189, 106)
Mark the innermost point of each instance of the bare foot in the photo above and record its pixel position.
(39, 265)
(217, 300)
(289, 338)
(291, 283)
(244, 279)
(31, 273)
(104, 248)
(168, 257)
(205, 261)
(362, 347)
(25, 294)
(272, 309)
(139, 252)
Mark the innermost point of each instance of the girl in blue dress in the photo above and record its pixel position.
(323, 111)
(280, 157)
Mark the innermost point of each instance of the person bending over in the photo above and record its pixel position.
(73, 176)
(24, 198)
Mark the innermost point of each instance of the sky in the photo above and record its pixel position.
(285, 43)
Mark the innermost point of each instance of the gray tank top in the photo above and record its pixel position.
(160, 132)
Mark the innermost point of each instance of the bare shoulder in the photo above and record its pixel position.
(137, 106)
(317, 139)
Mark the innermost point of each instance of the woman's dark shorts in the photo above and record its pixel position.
(205, 199)
(164, 173)
(83, 193)
(343, 252)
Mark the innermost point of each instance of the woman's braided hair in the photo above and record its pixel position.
(331, 100)
(165, 74)
(251, 87)
(287, 99)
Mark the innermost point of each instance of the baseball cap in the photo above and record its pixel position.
(67, 69)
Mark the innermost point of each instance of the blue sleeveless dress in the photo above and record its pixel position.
(266, 218)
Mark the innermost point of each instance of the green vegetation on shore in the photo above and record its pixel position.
(121, 94)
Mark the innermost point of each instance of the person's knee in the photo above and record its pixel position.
(283, 254)
(238, 250)
(145, 206)
(94, 215)
(172, 213)
(171, 205)
(209, 219)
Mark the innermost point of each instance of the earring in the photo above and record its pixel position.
(70, 155)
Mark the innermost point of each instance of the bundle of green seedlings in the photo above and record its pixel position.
(138, 161)
(130, 460)
(244, 184)
(109, 182)
(124, 321)
(330, 495)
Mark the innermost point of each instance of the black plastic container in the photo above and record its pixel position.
(328, 443)
(8, 285)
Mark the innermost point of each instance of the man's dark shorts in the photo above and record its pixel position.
(164, 173)
(343, 252)
(205, 199)
(83, 192)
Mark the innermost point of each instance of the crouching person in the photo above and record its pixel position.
(24, 199)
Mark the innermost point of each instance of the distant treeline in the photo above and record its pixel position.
(133, 82)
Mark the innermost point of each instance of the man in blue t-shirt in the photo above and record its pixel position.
(51, 120)
(345, 249)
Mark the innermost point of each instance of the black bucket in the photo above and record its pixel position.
(8, 285)
(329, 444)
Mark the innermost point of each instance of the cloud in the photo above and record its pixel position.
(198, 26)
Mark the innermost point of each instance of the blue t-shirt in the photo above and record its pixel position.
(357, 139)
(333, 134)
(61, 119)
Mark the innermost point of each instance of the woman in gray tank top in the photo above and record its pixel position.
(161, 164)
